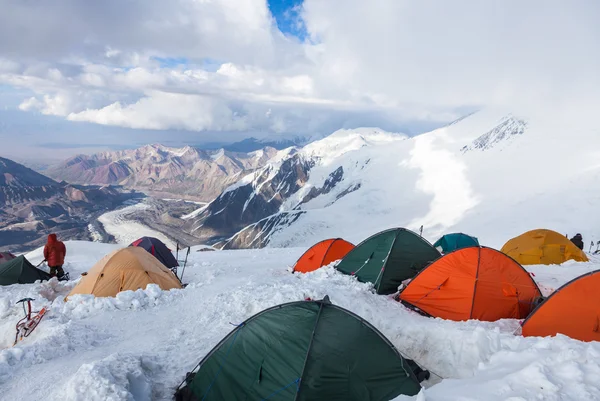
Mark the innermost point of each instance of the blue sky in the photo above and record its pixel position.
(286, 15)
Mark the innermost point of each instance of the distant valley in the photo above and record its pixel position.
(33, 205)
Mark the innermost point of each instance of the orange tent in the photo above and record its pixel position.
(572, 310)
(472, 283)
(543, 247)
(125, 269)
(322, 254)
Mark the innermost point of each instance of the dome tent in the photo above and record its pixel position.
(473, 283)
(454, 241)
(307, 350)
(125, 269)
(543, 247)
(20, 271)
(157, 249)
(572, 310)
(322, 254)
(388, 258)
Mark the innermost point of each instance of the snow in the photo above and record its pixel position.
(196, 212)
(218, 154)
(126, 230)
(493, 174)
(139, 345)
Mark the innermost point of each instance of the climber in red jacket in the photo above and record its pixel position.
(54, 253)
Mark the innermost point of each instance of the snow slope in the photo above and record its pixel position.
(139, 345)
(492, 174)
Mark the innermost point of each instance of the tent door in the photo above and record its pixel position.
(553, 253)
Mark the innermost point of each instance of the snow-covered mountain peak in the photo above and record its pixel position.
(346, 140)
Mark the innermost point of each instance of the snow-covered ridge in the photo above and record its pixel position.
(496, 168)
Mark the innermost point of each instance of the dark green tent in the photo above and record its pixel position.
(308, 350)
(388, 258)
(451, 242)
(20, 271)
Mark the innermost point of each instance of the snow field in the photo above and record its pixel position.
(139, 345)
(126, 230)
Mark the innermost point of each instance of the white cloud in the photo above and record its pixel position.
(140, 64)
(458, 53)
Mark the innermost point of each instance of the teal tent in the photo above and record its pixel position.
(452, 242)
(20, 271)
(307, 350)
(388, 258)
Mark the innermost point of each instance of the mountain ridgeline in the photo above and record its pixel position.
(492, 167)
(162, 171)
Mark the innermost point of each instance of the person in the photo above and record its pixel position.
(578, 241)
(54, 253)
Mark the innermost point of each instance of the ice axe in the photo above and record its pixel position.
(39, 264)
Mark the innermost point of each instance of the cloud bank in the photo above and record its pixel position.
(224, 66)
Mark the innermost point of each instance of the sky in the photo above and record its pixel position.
(78, 76)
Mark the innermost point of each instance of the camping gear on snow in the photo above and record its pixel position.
(322, 254)
(157, 249)
(451, 242)
(27, 324)
(388, 258)
(20, 271)
(571, 310)
(472, 283)
(543, 247)
(125, 269)
(6, 256)
(307, 350)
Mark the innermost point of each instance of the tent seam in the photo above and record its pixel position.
(312, 337)
(475, 285)
(386, 260)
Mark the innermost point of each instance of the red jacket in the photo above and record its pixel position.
(54, 251)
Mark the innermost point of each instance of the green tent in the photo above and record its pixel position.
(308, 350)
(454, 241)
(388, 258)
(20, 271)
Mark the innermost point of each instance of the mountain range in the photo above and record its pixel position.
(162, 171)
(33, 205)
(493, 168)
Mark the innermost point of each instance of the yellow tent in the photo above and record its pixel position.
(125, 269)
(543, 247)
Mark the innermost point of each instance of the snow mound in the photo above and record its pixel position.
(84, 305)
(115, 378)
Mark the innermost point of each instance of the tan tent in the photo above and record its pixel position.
(129, 268)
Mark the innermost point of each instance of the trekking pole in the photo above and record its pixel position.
(177, 251)
(591, 246)
(184, 264)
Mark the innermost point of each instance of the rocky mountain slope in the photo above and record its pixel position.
(281, 185)
(33, 205)
(179, 172)
(492, 168)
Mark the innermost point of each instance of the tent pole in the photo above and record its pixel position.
(184, 264)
